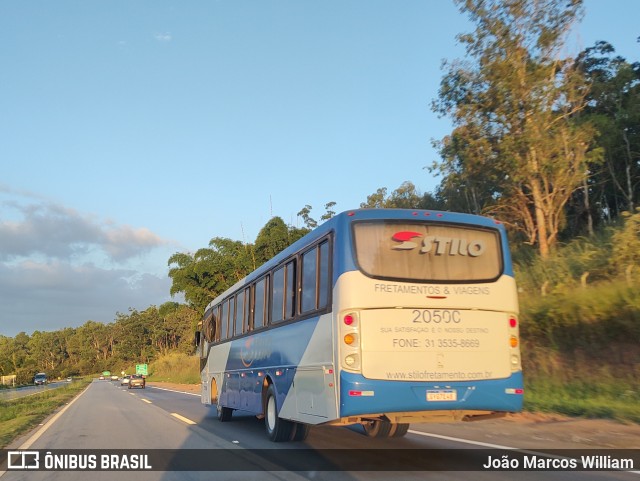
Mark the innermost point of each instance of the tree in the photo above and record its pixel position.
(210, 271)
(614, 107)
(272, 238)
(404, 197)
(516, 142)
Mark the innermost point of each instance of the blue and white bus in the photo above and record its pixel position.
(381, 317)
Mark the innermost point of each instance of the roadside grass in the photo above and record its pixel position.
(588, 399)
(175, 367)
(580, 352)
(20, 415)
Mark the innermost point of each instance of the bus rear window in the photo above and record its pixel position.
(427, 252)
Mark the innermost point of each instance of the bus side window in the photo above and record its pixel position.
(224, 320)
(216, 319)
(240, 304)
(309, 281)
(277, 296)
(246, 316)
(323, 273)
(209, 326)
(290, 290)
(232, 315)
(259, 307)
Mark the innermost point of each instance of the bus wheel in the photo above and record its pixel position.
(224, 414)
(300, 431)
(277, 429)
(398, 430)
(377, 428)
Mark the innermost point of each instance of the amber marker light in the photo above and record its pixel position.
(513, 342)
(349, 339)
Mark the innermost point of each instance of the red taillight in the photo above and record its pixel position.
(348, 319)
(513, 322)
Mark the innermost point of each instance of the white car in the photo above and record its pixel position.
(125, 380)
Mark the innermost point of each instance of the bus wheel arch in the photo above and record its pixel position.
(214, 391)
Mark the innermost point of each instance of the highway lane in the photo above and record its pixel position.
(109, 416)
(15, 393)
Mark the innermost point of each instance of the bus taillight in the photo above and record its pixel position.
(351, 361)
(350, 333)
(513, 322)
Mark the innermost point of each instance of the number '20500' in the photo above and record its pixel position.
(436, 316)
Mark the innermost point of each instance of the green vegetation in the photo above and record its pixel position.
(20, 415)
(581, 353)
(175, 367)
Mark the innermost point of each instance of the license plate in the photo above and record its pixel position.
(442, 395)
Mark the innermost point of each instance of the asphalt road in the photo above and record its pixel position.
(15, 393)
(107, 416)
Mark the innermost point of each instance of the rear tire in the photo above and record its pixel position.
(300, 432)
(224, 414)
(377, 428)
(278, 429)
(398, 430)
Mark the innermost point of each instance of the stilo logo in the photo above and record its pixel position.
(438, 245)
(405, 237)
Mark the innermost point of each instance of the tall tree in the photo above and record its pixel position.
(272, 238)
(513, 102)
(210, 271)
(614, 107)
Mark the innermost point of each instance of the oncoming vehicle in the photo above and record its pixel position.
(40, 379)
(136, 380)
(378, 317)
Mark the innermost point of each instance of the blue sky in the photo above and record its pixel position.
(130, 130)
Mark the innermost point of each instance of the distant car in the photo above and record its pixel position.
(137, 381)
(114, 377)
(101, 378)
(125, 380)
(40, 379)
(69, 379)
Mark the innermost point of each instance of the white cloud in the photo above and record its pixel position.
(163, 37)
(52, 295)
(60, 267)
(59, 232)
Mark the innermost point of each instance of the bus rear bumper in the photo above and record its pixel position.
(428, 400)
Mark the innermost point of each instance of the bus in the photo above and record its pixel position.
(378, 317)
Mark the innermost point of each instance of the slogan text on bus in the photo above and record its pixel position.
(439, 245)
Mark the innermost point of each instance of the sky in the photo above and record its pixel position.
(132, 130)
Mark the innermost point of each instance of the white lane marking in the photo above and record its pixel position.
(497, 446)
(147, 401)
(173, 390)
(466, 441)
(183, 419)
